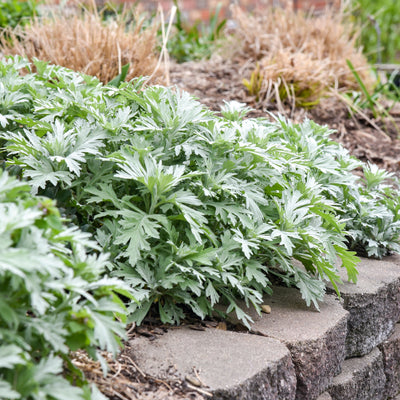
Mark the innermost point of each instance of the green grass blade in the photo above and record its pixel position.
(371, 102)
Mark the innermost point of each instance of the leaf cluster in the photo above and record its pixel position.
(53, 298)
(195, 209)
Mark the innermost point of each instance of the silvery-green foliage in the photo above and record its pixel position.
(53, 298)
(234, 110)
(194, 209)
(373, 214)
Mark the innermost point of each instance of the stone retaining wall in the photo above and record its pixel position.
(349, 349)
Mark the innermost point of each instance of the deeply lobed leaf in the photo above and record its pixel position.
(194, 208)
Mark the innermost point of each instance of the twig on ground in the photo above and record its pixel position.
(119, 368)
(135, 365)
(202, 391)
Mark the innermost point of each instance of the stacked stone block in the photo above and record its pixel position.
(349, 349)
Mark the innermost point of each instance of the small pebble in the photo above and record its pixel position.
(265, 308)
(222, 326)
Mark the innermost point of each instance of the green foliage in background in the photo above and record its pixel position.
(197, 41)
(372, 100)
(195, 209)
(53, 299)
(16, 12)
(387, 15)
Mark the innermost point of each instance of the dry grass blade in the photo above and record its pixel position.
(85, 43)
(164, 52)
(304, 55)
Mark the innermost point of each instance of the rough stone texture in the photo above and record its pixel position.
(316, 340)
(390, 349)
(361, 378)
(373, 303)
(325, 396)
(232, 365)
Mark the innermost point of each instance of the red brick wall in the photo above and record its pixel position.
(201, 9)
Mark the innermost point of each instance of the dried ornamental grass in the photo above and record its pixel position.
(87, 44)
(300, 56)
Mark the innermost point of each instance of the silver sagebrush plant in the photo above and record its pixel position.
(53, 299)
(195, 209)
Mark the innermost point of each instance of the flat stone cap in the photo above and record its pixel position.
(374, 275)
(373, 303)
(225, 361)
(292, 321)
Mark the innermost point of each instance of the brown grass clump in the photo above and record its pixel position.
(85, 43)
(300, 57)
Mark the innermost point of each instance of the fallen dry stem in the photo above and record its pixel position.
(164, 52)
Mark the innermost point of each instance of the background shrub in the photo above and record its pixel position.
(15, 12)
